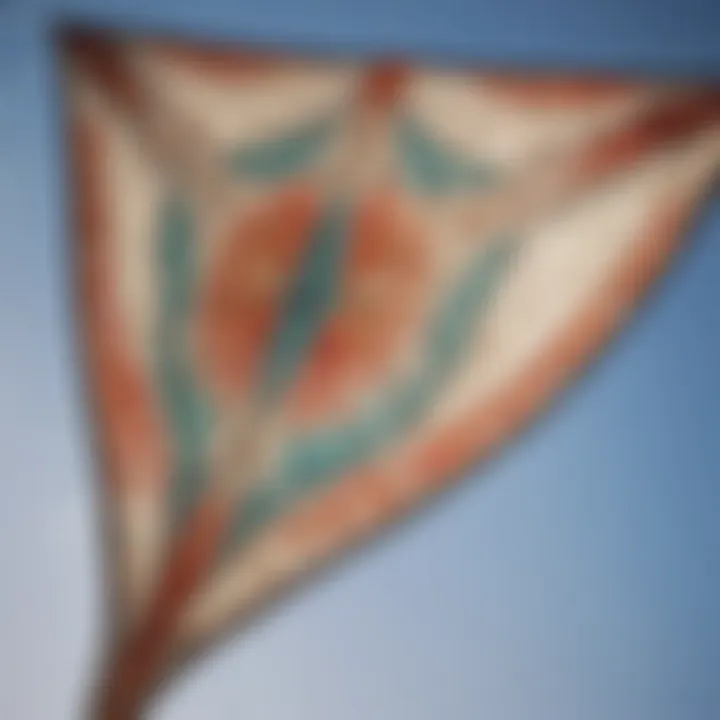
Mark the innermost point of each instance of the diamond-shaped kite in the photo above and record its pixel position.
(313, 293)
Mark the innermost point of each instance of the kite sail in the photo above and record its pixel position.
(313, 293)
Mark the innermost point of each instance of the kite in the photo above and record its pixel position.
(313, 293)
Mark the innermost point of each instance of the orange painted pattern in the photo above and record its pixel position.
(380, 303)
(247, 285)
(664, 126)
(541, 93)
(129, 417)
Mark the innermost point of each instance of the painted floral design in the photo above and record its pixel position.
(379, 301)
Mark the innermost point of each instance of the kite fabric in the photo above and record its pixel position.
(312, 293)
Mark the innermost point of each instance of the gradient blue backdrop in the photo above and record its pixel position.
(575, 579)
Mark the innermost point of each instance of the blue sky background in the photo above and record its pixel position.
(576, 578)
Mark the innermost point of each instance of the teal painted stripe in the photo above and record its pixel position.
(308, 303)
(186, 407)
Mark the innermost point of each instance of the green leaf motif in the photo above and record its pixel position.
(281, 158)
(433, 169)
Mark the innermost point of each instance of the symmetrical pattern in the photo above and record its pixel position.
(313, 293)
